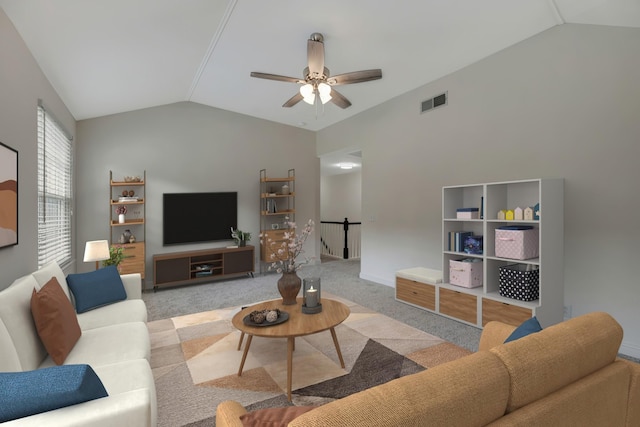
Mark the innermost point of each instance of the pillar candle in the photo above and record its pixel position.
(312, 297)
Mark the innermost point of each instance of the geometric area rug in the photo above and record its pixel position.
(195, 362)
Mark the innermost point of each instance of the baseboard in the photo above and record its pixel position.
(379, 280)
(630, 350)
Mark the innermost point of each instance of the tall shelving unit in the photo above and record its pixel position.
(134, 252)
(478, 306)
(276, 206)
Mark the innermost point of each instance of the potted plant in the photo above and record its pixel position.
(241, 237)
(116, 256)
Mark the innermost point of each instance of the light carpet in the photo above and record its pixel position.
(195, 361)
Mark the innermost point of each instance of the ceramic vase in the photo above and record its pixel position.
(121, 218)
(289, 285)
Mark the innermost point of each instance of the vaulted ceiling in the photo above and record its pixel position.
(111, 56)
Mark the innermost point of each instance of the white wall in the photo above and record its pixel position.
(188, 147)
(564, 104)
(21, 85)
(340, 197)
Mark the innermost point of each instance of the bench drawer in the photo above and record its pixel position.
(504, 312)
(416, 293)
(459, 305)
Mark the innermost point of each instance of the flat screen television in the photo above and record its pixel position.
(198, 217)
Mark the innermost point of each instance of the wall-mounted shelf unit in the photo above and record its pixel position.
(277, 207)
(477, 306)
(131, 195)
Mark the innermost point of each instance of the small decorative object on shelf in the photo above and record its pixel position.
(121, 211)
(536, 212)
(311, 302)
(285, 189)
(528, 214)
(241, 237)
(518, 214)
(468, 213)
(473, 245)
(283, 259)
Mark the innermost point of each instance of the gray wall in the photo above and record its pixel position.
(21, 85)
(564, 103)
(188, 147)
(340, 197)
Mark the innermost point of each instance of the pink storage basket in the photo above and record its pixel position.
(466, 273)
(514, 243)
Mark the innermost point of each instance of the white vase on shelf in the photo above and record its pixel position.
(121, 218)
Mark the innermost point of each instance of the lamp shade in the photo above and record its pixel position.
(96, 250)
(325, 92)
(307, 92)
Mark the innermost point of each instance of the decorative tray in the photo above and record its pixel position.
(248, 320)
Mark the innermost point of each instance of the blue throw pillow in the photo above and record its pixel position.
(529, 326)
(32, 392)
(97, 288)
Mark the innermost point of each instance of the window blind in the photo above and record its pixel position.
(55, 200)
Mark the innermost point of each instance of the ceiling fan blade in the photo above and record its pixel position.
(275, 77)
(315, 57)
(355, 77)
(339, 99)
(293, 100)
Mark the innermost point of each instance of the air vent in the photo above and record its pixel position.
(435, 102)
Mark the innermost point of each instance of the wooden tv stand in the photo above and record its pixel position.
(185, 268)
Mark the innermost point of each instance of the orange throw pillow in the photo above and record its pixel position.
(55, 320)
(273, 417)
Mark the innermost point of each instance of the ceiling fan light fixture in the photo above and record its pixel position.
(325, 92)
(307, 93)
(316, 82)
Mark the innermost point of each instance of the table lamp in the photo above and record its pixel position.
(96, 250)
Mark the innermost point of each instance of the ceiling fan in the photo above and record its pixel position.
(317, 82)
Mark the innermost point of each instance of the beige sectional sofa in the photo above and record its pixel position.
(114, 341)
(565, 375)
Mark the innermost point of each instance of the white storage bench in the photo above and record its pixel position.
(416, 286)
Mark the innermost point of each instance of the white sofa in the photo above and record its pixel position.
(114, 342)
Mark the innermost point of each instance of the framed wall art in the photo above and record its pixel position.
(8, 196)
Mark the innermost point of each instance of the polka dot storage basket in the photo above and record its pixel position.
(519, 281)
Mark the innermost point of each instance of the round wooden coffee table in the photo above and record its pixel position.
(299, 324)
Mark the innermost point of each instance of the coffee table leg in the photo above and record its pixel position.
(335, 342)
(244, 355)
(240, 342)
(290, 346)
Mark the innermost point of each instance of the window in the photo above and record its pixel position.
(54, 191)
